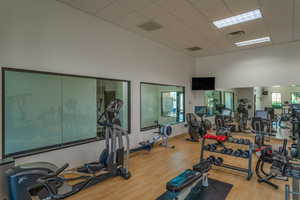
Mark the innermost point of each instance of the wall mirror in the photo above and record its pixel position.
(164, 104)
(276, 105)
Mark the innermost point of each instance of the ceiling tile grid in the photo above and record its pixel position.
(296, 19)
(188, 23)
(278, 16)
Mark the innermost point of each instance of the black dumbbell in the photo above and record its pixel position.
(229, 151)
(211, 159)
(247, 142)
(238, 153)
(218, 161)
(240, 141)
(294, 150)
(235, 140)
(245, 154)
(207, 147)
(224, 150)
(210, 147)
(213, 147)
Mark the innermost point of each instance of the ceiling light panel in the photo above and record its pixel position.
(251, 42)
(245, 17)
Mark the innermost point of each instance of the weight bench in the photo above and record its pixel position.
(189, 182)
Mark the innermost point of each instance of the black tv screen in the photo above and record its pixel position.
(207, 83)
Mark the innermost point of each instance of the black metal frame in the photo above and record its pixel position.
(159, 84)
(58, 146)
(248, 170)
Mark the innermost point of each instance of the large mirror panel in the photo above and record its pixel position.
(43, 111)
(276, 106)
(161, 103)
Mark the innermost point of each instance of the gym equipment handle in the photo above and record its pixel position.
(60, 170)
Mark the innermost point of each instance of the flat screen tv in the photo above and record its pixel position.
(207, 83)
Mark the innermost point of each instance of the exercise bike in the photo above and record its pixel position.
(197, 128)
(271, 156)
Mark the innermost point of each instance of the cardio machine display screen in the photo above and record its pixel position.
(261, 114)
(226, 112)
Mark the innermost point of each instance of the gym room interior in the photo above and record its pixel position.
(150, 99)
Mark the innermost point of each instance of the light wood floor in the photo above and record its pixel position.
(152, 170)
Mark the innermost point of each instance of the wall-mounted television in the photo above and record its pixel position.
(203, 83)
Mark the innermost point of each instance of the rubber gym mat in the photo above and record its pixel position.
(216, 190)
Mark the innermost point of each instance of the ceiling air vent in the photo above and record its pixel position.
(236, 34)
(195, 48)
(150, 26)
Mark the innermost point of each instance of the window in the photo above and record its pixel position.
(229, 100)
(276, 100)
(162, 103)
(46, 111)
(295, 96)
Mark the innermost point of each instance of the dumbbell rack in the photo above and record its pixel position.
(248, 170)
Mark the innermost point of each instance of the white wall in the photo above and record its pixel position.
(267, 66)
(49, 36)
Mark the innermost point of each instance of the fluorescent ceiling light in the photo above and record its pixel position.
(276, 86)
(255, 41)
(245, 17)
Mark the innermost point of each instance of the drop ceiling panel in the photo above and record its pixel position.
(297, 21)
(214, 51)
(187, 23)
(213, 9)
(114, 12)
(241, 6)
(153, 11)
(278, 15)
(168, 36)
(90, 6)
(185, 12)
(194, 20)
(132, 21)
(255, 29)
(135, 4)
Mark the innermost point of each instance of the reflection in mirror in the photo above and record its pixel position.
(107, 91)
(234, 105)
(49, 110)
(162, 103)
(217, 100)
(281, 105)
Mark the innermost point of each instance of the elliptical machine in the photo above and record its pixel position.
(44, 181)
(114, 158)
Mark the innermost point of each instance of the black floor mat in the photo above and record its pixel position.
(216, 190)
